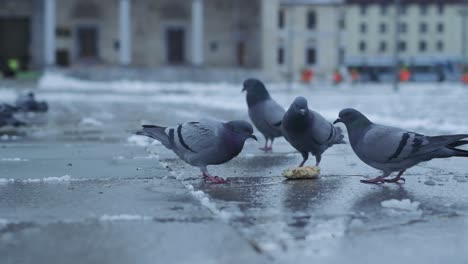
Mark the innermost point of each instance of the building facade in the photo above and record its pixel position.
(279, 37)
(417, 30)
(309, 36)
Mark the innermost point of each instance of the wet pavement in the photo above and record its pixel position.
(79, 188)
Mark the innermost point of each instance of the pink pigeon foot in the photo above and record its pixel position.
(267, 149)
(214, 179)
(376, 180)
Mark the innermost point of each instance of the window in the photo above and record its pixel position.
(383, 9)
(422, 46)
(440, 28)
(383, 28)
(363, 10)
(402, 28)
(341, 23)
(383, 46)
(363, 28)
(311, 20)
(423, 9)
(440, 46)
(402, 46)
(311, 56)
(281, 19)
(362, 46)
(440, 8)
(280, 56)
(402, 10)
(423, 28)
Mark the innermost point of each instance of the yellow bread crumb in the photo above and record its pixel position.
(306, 172)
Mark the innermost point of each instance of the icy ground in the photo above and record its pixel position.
(77, 187)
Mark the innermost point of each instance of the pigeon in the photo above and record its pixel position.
(265, 113)
(28, 103)
(7, 118)
(308, 132)
(203, 143)
(392, 149)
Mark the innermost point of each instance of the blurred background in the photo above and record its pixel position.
(203, 40)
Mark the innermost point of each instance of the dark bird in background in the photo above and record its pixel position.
(27, 103)
(265, 113)
(7, 117)
(203, 143)
(308, 132)
(392, 149)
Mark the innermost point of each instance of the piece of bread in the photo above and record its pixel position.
(306, 172)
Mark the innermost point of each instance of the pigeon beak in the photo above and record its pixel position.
(243, 89)
(338, 121)
(302, 111)
(253, 137)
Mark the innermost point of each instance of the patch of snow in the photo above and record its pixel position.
(206, 202)
(14, 159)
(124, 217)
(65, 178)
(89, 121)
(7, 138)
(141, 141)
(402, 206)
(149, 157)
(3, 222)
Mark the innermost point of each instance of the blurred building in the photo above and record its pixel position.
(419, 33)
(278, 37)
(309, 36)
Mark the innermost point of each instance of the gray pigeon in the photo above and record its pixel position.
(203, 143)
(392, 149)
(7, 118)
(307, 131)
(265, 113)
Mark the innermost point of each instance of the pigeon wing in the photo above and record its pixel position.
(195, 137)
(390, 144)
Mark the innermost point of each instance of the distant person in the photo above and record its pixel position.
(464, 76)
(354, 76)
(337, 77)
(307, 76)
(404, 74)
(12, 68)
(440, 73)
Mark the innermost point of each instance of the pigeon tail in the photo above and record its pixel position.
(459, 152)
(156, 132)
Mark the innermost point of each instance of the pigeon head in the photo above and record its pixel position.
(352, 118)
(242, 130)
(299, 106)
(256, 91)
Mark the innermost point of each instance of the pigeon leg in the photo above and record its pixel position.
(397, 178)
(212, 179)
(270, 148)
(266, 145)
(305, 156)
(318, 158)
(380, 179)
